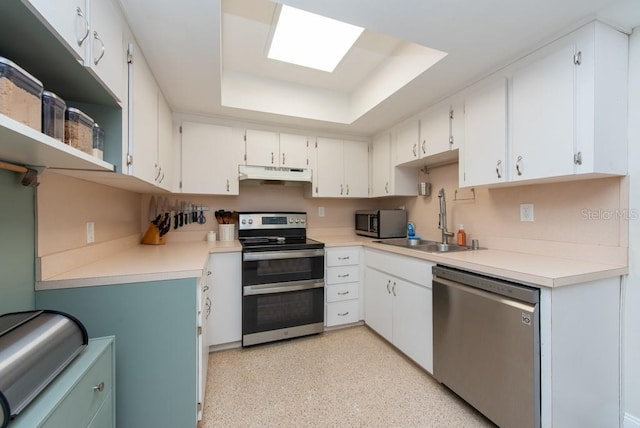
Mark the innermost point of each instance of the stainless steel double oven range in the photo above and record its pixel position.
(282, 277)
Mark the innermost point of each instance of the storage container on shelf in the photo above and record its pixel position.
(78, 130)
(20, 95)
(53, 108)
(98, 141)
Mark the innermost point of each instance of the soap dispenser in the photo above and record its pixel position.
(411, 231)
(462, 236)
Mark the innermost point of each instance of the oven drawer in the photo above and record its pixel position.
(342, 274)
(338, 292)
(344, 312)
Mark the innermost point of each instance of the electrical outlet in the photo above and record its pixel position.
(320, 211)
(526, 212)
(91, 232)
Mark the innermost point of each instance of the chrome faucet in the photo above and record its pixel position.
(442, 217)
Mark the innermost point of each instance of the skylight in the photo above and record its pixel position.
(310, 40)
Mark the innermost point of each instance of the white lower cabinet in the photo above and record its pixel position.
(342, 290)
(224, 324)
(398, 299)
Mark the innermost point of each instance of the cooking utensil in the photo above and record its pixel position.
(201, 217)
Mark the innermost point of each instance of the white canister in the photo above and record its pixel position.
(227, 232)
(211, 236)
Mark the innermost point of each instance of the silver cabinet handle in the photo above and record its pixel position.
(388, 284)
(415, 153)
(205, 288)
(341, 190)
(386, 187)
(344, 258)
(424, 147)
(227, 185)
(208, 306)
(498, 169)
(343, 314)
(97, 37)
(394, 288)
(346, 275)
(86, 26)
(577, 158)
(271, 158)
(347, 190)
(518, 160)
(99, 387)
(161, 178)
(208, 273)
(343, 293)
(159, 172)
(283, 162)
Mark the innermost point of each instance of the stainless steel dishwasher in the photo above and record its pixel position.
(486, 344)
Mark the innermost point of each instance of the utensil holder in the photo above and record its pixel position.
(227, 232)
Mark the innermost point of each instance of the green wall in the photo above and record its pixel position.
(17, 244)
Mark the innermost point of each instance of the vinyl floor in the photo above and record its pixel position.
(342, 378)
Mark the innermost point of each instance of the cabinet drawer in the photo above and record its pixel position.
(337, 292)
(342, 312)
(342, 257)
(342, 274)
(82, 403)
(104, 417)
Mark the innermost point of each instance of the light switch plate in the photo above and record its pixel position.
(526, 212)
(320, 211)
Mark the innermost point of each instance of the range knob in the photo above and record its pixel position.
(302, 220)
(290, 220)
(250, 221)
(297, 220)
(244, 221)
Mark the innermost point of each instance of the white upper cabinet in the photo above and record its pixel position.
(565, 114)
(143, 120)
(92, 30)
(407, 141)
(388, 179)
(483, 159)
(264, 148)
(342, 169)
(435, 130)
(69, 19)
(210, 158)
(294, 151)
(104, 50)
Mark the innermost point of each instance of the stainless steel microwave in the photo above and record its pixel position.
(382, 223)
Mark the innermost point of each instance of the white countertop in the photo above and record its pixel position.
(141, 263)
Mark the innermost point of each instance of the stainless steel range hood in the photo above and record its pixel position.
(274, 174)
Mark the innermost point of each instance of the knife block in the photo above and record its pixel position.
(152, 236)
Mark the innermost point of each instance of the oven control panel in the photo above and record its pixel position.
(284, 220)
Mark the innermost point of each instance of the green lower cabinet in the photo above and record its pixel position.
(80, 394)
(155, 326)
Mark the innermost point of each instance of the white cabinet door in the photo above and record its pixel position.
(407, 140)
(165, 144)
(294, 151)
(104, 50)
(356, 169)
(144, 120)
(210, 158)
(381, 164)
(485, 144)
(225, 321)
(329, 176)
(412, 323)
(70, 20)
(543, 119)
(435, 131)
(262, 148)
(378, 312)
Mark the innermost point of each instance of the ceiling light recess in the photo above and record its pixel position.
(310, 40)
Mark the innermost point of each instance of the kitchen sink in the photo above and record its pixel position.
(424, 245)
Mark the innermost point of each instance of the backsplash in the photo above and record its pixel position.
(587, 212)
(66, 204)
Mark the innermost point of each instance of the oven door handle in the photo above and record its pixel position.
(281, 287)
(276, 255)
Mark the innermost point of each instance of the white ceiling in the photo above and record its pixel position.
(182, 43)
